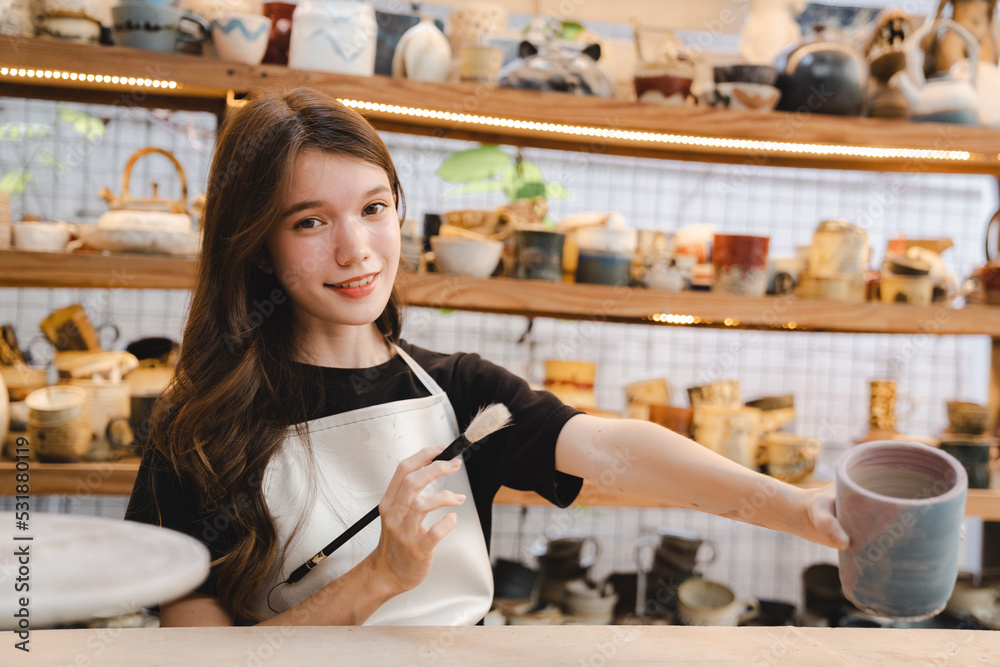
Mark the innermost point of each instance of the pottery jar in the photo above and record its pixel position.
(422, 54)
(334, 36)
(740, 263)
(901, 504)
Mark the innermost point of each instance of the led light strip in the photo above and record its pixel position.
(655, 137)
(685, 320)
(88, 78)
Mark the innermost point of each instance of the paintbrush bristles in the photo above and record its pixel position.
(490, 419)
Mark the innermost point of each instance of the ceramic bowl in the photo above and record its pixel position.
(55, 405)
(745, 96)
(745, 73)
(41, 236)
(466, 257)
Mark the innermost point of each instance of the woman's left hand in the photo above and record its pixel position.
(821, 514)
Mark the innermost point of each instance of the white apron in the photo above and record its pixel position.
(354, 455)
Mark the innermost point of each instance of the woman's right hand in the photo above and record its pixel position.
(406, 548)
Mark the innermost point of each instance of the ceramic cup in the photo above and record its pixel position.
(155, 28)
(539, 254)
(280, 37)
(704, 602)
(674, 417)
(740, 263)
(58, 423)
(641, 394)
(241, 38)
(901, 503)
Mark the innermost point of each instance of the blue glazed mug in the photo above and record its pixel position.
(153, 28)
(902, 505)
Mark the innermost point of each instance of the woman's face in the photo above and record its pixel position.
(335, 247)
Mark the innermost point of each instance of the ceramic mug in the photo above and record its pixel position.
(241, 38)
(902, 504)
(704, 602)
(155, 28)
(676, 418)
(280, 38)
(641, 394)
(740, 263)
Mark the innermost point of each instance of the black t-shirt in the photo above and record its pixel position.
(521, 456)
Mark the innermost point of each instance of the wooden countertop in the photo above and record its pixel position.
(562, 645)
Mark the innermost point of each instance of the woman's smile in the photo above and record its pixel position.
(355, 288)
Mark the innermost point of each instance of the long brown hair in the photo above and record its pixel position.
(236, 390)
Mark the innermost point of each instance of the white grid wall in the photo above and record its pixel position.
(826, 373)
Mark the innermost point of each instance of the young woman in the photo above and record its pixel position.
(296, 407)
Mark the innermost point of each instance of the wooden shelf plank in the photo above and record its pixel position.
(536, 298)
(111, 478)
(20, 268)
(637, 305)
(683, 129)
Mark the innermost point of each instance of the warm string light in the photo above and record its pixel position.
(656, 137)
(688, 320)
(87, 78)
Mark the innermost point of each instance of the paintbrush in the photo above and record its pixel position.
(488, 420)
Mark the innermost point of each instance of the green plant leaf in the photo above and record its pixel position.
(26, 130)
(473, 164)
(50, 160)
(82, 123)
(570, 30)
(476, 188)
(517, 175)
(557, 191)
(14, 182)
(529, 191)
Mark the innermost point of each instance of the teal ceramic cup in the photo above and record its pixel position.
(153, 28)
(902, 505)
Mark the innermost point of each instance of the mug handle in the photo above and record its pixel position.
(715, 552)
(642, 543)
(120, 439)
(108, 340)
(589, 562)
(203, 26)
(751, 610)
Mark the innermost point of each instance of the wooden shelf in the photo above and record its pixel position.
(536, 298)
(110, 478)
(638, 306)
(205, 83)
(21, 268)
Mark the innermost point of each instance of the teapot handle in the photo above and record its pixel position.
(989, 228)
(915, 54)
(170, 156)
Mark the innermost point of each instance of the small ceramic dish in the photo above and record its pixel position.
(466, 257)
(140, 240)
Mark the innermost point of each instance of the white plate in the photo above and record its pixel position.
(82, 567)
(140, 240)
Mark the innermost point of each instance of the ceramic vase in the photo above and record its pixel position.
(422, 54)
(334, 36)
(901, 503)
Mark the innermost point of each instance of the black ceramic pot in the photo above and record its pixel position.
(822, 75)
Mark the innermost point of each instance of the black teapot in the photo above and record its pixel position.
(822, 75)
(557, 68)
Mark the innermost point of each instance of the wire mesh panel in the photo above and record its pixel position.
(826, 373)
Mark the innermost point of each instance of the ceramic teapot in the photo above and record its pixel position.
(559, 69)
(987, 82)
(822, 74)
(944, 99)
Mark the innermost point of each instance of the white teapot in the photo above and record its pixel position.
(948, 99)
(987, 81)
